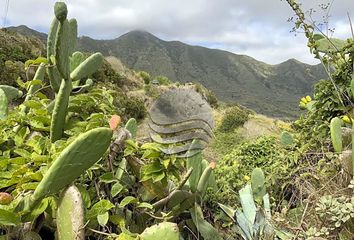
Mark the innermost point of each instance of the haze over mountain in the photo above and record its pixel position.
(273, 90)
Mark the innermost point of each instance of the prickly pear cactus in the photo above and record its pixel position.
(87, 67)
(258, 184)
(286, 138)
(165, 230)
(336, 134)
(4, 104)
(204, 178)
(70, 215)
(132, 127)
(60, 11)
(11, 92)
(74, 160)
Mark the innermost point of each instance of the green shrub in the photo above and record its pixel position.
(225, 142)
(234, 117)
(235, 168)
(145, 76)
(107, 74)
(163, 80)
(209, 95)
(151, 91)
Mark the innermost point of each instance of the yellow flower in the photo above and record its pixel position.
(246, 178)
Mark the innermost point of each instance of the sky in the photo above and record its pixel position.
(258, 28)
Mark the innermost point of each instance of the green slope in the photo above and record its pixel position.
(273, 90)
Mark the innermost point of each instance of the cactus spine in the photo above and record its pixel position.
(70, 215)
(74, 160)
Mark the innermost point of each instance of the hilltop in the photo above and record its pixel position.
(273, 90)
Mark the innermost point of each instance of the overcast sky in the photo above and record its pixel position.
(257, 28)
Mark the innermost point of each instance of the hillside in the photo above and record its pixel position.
(273, 90)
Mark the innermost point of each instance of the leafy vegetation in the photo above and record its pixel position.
(234, 117)
(64, 174)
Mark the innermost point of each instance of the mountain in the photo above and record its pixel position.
(26, 31)
(273, 90)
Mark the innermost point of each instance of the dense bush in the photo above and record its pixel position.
(163, 80)
(107, 74)
(234, 117)
(209, 95)
(234, 169)
(15, 49)
(145, 76)
(126, 107)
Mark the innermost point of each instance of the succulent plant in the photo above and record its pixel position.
(70, 215)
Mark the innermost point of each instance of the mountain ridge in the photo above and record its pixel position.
(272, 90)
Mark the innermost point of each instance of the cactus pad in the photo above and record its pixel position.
(60, 11)
(4, 104)
(73, 161)
(258, 184)
(165, 230)
(336, 134)
(70, 215)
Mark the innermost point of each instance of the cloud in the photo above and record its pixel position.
(256, 28)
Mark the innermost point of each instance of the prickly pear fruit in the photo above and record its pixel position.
(336, 134)
(258, 184)
(60, 11)
(73, 161)
(165, 230)
(5, 198)
(4, 104)
(114, 122)
(132, 127)
(70, 215)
